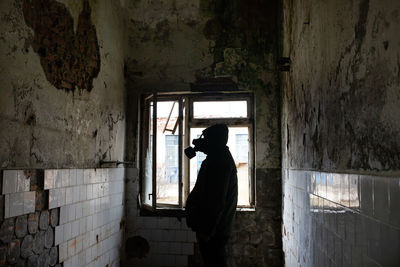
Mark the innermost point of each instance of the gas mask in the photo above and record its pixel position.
(199, 145)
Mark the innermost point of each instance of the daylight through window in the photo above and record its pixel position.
(170, 123)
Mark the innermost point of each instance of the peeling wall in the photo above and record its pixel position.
(174, 43)
(342, 96)
(341, 133)
(70, 113)
(77, 47)
(78, 60)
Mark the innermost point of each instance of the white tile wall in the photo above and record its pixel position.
(343, 220)
(91, 209)
(10, 181)
(18, 199)
(15, 181)
(171, 242)
(91, 206)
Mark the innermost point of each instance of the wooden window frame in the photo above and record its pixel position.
(185, 123)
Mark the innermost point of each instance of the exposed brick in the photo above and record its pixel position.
(1, 205)
(21, 226)
(44, 220)
(37, 179)
(41, 200)
(3, 254)
(271, 183)
(32, 261)
(68, 59)
(268, 238)
(26, 246)
(274, 257)
(54, 217)
(44, 259)
(261, 250)
(7, 230)
(20, 263)
(237, 249)
(53, 255)
(249, 251)
(232, 238)
(14, 251)
(33, 222)
(49, 238)
(255, 238)
(1, 180)
(243, 237)
(38, 242)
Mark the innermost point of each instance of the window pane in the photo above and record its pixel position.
(148, 175)
(219, 109)
(195, 163)
(167, 153)
(238, 143)
(239, 146)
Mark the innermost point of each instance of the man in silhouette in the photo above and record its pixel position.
(211, 206)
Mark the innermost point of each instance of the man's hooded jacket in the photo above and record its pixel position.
(211, 206)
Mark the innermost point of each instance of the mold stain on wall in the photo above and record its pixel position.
(341, 93)
(171, 46)
(69, 59)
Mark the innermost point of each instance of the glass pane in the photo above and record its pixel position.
(195, 163)
(148, 181)
(238, 143)
(219, 109)
(239, 146)
(167, 153)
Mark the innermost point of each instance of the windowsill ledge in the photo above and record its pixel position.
(179, 213)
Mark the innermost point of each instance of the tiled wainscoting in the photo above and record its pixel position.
(71, 217)
(171, 242)
(335, 219)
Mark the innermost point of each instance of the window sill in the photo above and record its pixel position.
(163, 212)
(179, 213)
(247, 209)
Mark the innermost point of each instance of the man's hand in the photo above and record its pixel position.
(203, 237)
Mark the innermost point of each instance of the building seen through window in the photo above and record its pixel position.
(179, 120)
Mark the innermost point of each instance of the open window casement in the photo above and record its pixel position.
(148, 151)
(161, 143)
(169, 123)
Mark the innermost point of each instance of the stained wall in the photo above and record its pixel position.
(65, 66)
(172, 44)
(62, 107)
(62, 83)
(341, 133)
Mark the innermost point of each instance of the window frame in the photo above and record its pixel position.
(186, 121)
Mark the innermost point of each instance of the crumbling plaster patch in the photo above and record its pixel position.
(69, 59)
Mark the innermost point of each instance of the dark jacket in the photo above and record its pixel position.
(211, 206)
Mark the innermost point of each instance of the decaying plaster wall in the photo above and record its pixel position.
(71, 113)
(342, 96)
(62, 85)
(175, 43)
(341, 133)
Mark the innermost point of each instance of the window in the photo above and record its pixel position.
(170, 123)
